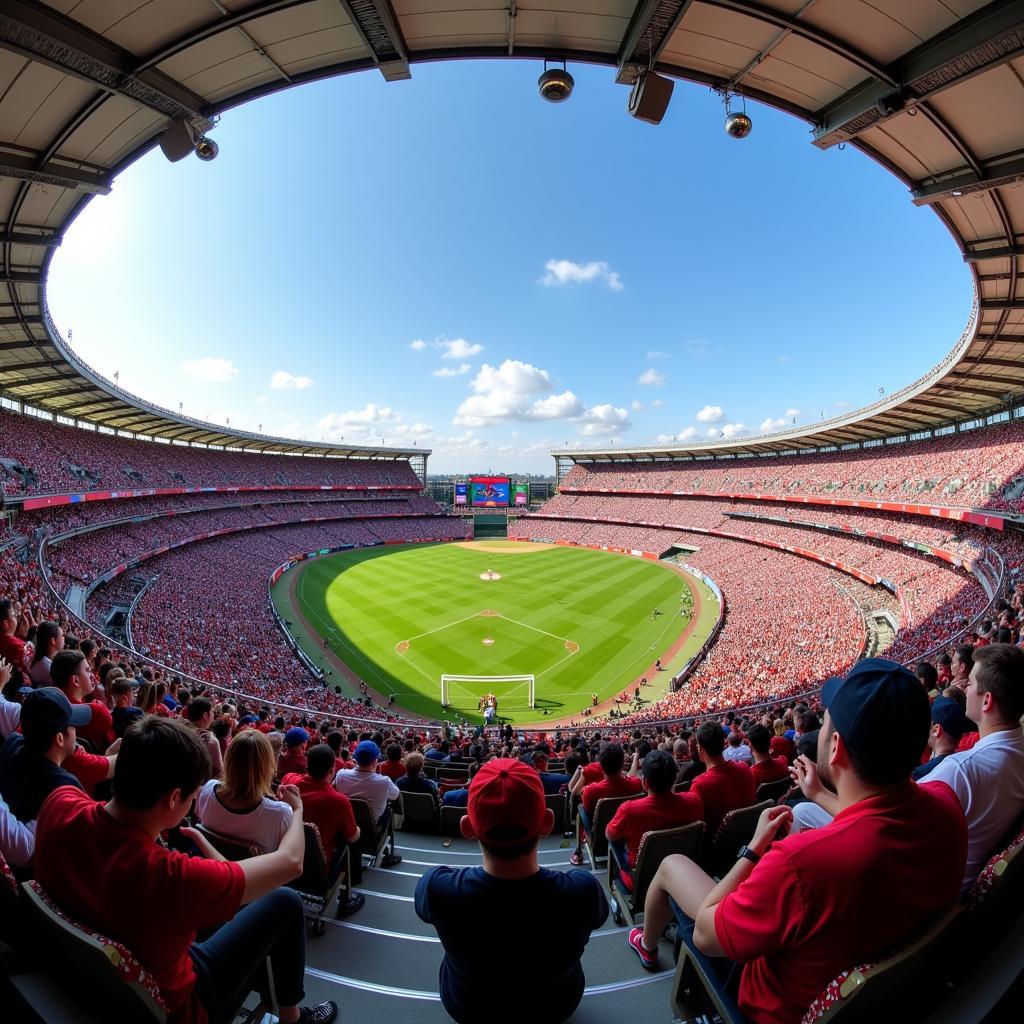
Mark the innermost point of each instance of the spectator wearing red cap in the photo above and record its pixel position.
(293, 757)
(330, 811)
(798, 910)
(507, 815)
(726, 785)
(160, 771)
(70, 672)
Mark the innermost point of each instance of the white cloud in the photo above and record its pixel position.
(418, 345)
(214, 369)
(792, 412)
(710, 414)
(458, 348)
(728, 430)
(651, 376)
(563, 272)
(557, 407)
(453, 371)
(768, 425)
(602, 420)
(658, 354)
(685, 435)
(282, 380)
(637, 406)
(372, 419)
(657, 403)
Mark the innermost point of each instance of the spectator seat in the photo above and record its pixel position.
(736, 829)
(373, 839)
(773, 790)
(418, 812)
(450, 818)
(317, 891)
(595, 842)
(226, 846)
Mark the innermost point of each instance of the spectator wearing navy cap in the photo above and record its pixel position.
(293, 757)
(507, 815)
(31, 762)
(364, 783)
(797, 910)
(949, 723)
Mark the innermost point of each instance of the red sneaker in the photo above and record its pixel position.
(648, 960)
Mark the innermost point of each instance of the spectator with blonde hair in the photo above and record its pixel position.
(242, 806)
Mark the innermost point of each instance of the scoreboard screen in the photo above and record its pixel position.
(520, 495)
(460, 493)
(489, 491)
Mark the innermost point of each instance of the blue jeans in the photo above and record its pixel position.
(230, 963)
(722, 972)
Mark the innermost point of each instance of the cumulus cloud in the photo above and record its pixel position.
(652, 377)
(418, 345)
(521, 392)
(563, 272)
(637, 406)
(458, 348)
(729, 430)
(453, 371)
(213, 369)
(684, 435)
(710, 414)
(658, 354)
(282, 380)
(372, 419)
(788, 418)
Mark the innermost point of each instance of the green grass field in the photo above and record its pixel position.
(580, 621)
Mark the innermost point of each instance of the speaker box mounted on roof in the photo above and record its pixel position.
(648, 99)
(176, 142)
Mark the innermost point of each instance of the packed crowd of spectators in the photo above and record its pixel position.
(973, 468)
(63, 459)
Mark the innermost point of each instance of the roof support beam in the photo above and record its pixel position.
(1002, 170)
(956, 410)
(649, 30)
(87, 410)
(19, 276)
(46, 396)
(11, 346)
(26, 167)
(989, 37)
(993, 378)
(1001, 252)
(48, 239)
(40, 365)
(377, 24)
(997, 304)
(66, 375)
(41, 33)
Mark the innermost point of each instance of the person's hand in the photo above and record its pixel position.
(291, 796)
(773, 824)
(6, 668)
(804, 773)
(202, 842)
(114, 747)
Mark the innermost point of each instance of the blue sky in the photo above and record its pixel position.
(453, 262)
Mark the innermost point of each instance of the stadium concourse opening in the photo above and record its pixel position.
(155, 781)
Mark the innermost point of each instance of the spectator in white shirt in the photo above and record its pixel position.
(989, 778)
(364, 783)
(242, 807)
(17, 838)
(737, 750)
(49, 640)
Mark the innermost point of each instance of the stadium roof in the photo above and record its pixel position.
(932, 89)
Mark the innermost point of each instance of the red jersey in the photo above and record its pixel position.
(13, 650)
(89, 769)
(723, 788)
(781, 746)
(772, 770)
(967, 741)
(655, 812)
(392, 769)
(291, 761)
(100, 730)
(326, 808)
(621, 785)
(810, 908)
(123, 882)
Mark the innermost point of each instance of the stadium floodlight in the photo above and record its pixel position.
(474, 687)
(555, 84)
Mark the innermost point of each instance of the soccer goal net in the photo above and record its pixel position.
(466, 692)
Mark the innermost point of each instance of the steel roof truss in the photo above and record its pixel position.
(377, 25)
(31, 167)
(649, 30)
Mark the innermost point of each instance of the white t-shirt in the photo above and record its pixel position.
(988, 779)
(39, 673)
(377, 790)
(265, 824)
(741, 753)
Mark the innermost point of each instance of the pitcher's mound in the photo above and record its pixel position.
(487, 641)
(490, 576)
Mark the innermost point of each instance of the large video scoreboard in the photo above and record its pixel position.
(492, 492)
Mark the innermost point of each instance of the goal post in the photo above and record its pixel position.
(474, 687)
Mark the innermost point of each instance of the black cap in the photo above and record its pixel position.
(882, 713)
(46, 712)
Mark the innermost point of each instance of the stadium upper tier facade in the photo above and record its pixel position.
(932, 90)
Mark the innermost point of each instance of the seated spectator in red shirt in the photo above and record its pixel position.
(612, 783)
(199, 712)
(781, 745)
(336, 741)
(263, 721)
(796, 911)
(293, 757)
(726, 785)
(392, 767)
(71, 673)
(330, 811)
(766, 768)
(660, 809)
(12, 647)
(161, 768)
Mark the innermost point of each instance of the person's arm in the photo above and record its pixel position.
(576, 782)
(17, 839)
(805, 774)
(197, 837)
(705, 935)
(634, 766)
(265, 873)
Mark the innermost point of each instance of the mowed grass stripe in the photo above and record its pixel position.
(378, 597)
